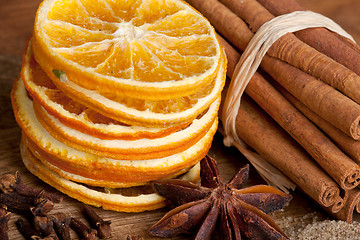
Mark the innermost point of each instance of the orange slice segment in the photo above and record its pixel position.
(111, 47)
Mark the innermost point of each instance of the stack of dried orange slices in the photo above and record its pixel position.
(114, 94)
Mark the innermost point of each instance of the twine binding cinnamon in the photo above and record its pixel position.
(255, 51)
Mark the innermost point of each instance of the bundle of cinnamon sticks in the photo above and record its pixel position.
(301, 111)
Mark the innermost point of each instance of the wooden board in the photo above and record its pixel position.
(16, 21)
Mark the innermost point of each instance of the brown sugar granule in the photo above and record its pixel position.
(294, 225)
(330, 230)
(312, 226)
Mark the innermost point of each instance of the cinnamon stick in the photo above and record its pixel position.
(293, 51)
(350, 146)
(261, 133)
(352, 202)
(328, 103)
(343, 51)
(337, 206)
(339, 166)
(321, 98)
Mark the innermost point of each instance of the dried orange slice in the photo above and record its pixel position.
(101, 177)
(149, 113)
(107, 169)
(129, 149)
(124, 200)
(89, 165)
(149, 49)
(76, 115)
(132, 111)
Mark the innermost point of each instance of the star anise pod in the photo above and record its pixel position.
(236, 212)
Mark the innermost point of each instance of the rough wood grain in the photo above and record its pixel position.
(16, 21)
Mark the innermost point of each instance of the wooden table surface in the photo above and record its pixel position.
(16, 22)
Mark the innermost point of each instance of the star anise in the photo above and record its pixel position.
(236, 212)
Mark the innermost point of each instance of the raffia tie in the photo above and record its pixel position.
(249, 62)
